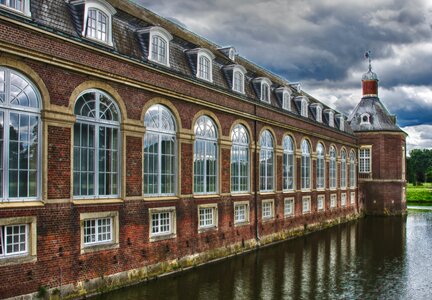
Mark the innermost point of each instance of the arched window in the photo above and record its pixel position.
(160, 152)
(205, 64)
(333, 168)
(286, 101)
(304, 108)
(96, 146)
(239, 159)
(238, 81)
(205, 156)
(265, 92)
(352, 170)
(266, 162)
(305, 165)
(159, 51)
(319, 114)
(331, 119)
(98, 20)
(20, 137)
(288, 163)
(320, 167)
(343, 169)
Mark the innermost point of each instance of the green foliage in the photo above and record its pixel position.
(419, 166)
(419, 194)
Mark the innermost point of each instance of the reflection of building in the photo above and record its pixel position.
(132, 141)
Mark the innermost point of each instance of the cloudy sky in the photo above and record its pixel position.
(322, 44)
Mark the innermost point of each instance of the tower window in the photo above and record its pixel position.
(365, 119)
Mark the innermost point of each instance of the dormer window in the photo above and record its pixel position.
(231, 54)
(319, 114)
(235, 76)
(341, 122)
(304, 108)
(21, 6)
(265, 92)
(331, 119)
(262, 88)
(238, 81)
(365, 119)
(205, 64)
(284, 95)
(158, 44)
(98, 21)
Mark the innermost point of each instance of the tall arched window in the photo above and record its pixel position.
(205, 156)
(160, 152)
(238, 81)
(343, 169)
(266, 162)
(320, 167)
(352, 170)
(239, 159)
(305, 165)
(20, 135)
(159, 52)
(333, 168)
(265, 92)
(96, 146)
(288, 163)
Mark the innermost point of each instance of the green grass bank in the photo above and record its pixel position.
(419, 194)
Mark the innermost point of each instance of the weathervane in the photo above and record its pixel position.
(369, 56)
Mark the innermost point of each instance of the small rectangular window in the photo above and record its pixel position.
(97, 231)
(320, 202)
(333, 201)
(365, 160)
(267, 209)
(14, 240)
(343, 199)
(306, 205)
(241, 213)
(207, 217)
(289, 207)
(161, 223)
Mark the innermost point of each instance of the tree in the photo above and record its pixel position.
(419, 164)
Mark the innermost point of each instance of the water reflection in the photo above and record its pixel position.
(385, 258)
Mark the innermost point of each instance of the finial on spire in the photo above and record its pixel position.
(369, 56)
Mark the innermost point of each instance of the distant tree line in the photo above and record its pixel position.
(419, 166)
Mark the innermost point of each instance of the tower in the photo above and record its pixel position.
(382, 152)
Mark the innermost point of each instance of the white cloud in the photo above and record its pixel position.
(419, 137)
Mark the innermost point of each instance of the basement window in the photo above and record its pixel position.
(162, 223)
(207, 216)
(99, 231)
(20, 6)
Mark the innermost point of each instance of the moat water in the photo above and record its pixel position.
(372, 258)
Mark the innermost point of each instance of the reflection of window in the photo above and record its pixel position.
(20, 139)
(365, 160)
(239, 159)
(266, 162)
(96, 146)
(160, 151)
(205, 156)
(305, 166)
(288, 163)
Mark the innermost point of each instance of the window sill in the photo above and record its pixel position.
(17, 260)
(288, 191)
(240, 194)
(99, 247)
(239, 224)
(266, 193)
(267, 219)
(21, 204)
(162, 237)
(161, 198)
(206, 196)
(207, 229)
(289, 216)
(97, 201)
(321, 190)
(306, 212)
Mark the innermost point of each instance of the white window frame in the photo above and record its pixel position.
(208, 141)
(267, 209)
(231, 54)
(305, 161)
(238, 205)
(7, 108)
(341, 123)
(105, 8)
(265, 91)
(265, 151)
(332, 168)
(286, 100)
(240, 144)
(25, 7)
(331, 118)
(321, 202)
(205, 54)
(288, 154)
(343, 199)
(352, 170)
(318, 114)
(321, 166)
(304, 108)
(343, 167)
(289, 207)
(352, 197)
(333, 201)
(203, 210)
(98, 123)
(156, 31)
(242, 71)
(102, 245)
(29, 253)
(161, 133)
(362, 119)
(169, 234)
(306, 204)
(365, 159)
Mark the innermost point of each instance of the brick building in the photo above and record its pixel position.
(135, 147)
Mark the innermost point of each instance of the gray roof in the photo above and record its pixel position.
(380, 118)
(66, 18)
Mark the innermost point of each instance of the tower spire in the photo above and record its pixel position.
(368, 55)
(370, 79)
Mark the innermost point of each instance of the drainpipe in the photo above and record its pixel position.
(256, 174)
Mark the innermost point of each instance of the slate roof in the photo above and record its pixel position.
(67, 19)
(380, 118)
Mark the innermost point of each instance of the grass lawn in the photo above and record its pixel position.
(419, 194)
